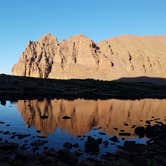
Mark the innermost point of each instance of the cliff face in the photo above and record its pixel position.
(87, 114)
(80, 57)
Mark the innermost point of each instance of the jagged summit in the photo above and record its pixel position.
(48, 37)
(79, 37)
(81, 57)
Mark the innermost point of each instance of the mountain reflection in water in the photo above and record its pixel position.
(111, 115)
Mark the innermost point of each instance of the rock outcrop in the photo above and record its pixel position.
(80, 57)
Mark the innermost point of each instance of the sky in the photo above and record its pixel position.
(24, 20)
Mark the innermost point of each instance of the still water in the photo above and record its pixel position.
(98, 118)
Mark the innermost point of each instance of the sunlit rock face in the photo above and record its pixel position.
(80, 57)
(48, 115)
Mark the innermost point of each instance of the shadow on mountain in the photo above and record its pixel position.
(143, 79)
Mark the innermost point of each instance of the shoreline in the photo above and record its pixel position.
(131, 153)
(19, 87)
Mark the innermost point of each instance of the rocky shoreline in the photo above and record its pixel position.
(130, 153)
(19, 87)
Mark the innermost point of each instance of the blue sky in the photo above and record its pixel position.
(23, 20)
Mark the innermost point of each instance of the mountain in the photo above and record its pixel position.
(80, 57)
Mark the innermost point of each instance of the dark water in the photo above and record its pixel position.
(98, 118)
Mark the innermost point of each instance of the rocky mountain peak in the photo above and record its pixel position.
(48, 38)
(80, 57)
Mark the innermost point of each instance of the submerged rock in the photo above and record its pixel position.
(68, 145)
(92, 145)
(114, 139)
(124, 134)
(132, 146)
(66, 117)
(106, 143)
(140, 131)
(8, 146)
